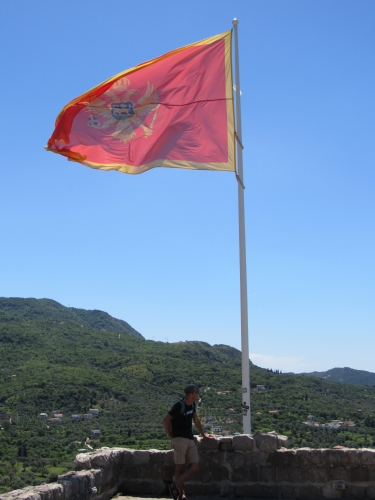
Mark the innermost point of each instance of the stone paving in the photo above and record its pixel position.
(122, 497)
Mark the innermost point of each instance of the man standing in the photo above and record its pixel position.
(178, 427)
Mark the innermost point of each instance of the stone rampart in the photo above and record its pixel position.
(241, 466)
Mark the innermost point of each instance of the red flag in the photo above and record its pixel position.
(173, 111)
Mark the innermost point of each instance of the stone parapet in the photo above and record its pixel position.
(256, 466)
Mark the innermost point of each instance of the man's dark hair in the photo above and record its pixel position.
(191, 388)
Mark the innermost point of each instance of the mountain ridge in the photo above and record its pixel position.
(32, 309)
(345, 375)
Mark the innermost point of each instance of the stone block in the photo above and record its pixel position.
(309, 491)
(26, 494)
(371, 471)
(82, 462)
(213, 458)
(267, 474)
(151, 471)
(68, 483)
(104, 495)
(127, 456)
(111, 476)
(242, 490)
(283, 474)
(166, 457)
(368, 456)
(308, 457)
(141, 457)
(142, 487)
(98, 478)
(115, 468)
(245, 474)
(105, 479)
(253, 474)
(225, 444)
(159, 457)
(227, 489)
(283, 458)
(193, 488)
(194, 477)
(281, 441)
(265, 442)
(105, 458)
(255, 458)
(259, 490)
(85, 475)
(359, 474)
(286, 491)
(317, 474)
(166, 472)
(138, 472)
(207, 473)
(353, 456)
(297, 474)
(334, 458)
(329, 492)
(354, 492)
(235, 459)
(370, 491)
(243, 442)
(77, 485)
(211, 444)
(338, 474)
(53, 491)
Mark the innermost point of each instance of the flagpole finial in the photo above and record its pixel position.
(235, 22)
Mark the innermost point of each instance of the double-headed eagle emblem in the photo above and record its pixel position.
(118, 108)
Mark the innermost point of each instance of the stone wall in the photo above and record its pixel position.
(241, 466)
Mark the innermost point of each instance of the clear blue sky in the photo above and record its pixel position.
(160, 250)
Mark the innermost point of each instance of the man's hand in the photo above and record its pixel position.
(208, 436)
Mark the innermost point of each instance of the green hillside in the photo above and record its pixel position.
(50, 362)
(346, 376)
(47, 309)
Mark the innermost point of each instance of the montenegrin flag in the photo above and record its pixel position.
(173, 111)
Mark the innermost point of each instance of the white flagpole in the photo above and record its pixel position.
(246, 412)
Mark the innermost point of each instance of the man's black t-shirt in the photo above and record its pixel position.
(182, 424)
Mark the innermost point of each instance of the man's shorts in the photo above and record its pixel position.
(185, 451)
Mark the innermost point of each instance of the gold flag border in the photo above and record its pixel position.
(230, 166)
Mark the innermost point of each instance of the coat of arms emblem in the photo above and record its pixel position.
(118, 107)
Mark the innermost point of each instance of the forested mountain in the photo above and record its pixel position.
(47, 309)
(346, 376)
(51, 359)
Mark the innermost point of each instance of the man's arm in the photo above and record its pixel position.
(167, 425)
(198, 425)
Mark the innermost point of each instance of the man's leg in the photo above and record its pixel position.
(180, 446)
(183, 476)
(175, 492)
(192, 458)
(177, 472)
